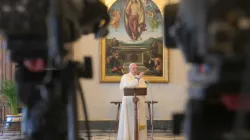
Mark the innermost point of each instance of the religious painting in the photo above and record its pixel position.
(135, 36)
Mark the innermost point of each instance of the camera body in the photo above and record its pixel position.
(214, 36)
(26, 24)
(204, 28)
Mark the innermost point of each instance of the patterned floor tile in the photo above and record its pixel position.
(99, 136)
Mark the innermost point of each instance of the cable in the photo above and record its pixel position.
(151, 110)
(84, 109)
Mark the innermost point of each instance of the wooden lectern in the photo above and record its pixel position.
(135, 92)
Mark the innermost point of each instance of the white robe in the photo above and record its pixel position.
(126, 121)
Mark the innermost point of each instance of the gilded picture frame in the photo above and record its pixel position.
(135, 36)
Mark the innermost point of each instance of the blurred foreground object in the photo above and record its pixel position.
(214, 36)
(38, 36)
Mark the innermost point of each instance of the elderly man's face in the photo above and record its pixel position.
(133, 69)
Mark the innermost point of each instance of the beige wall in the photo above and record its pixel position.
(171, 96)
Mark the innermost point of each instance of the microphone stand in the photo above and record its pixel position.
(151, 119)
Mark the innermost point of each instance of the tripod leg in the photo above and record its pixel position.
(72, 102)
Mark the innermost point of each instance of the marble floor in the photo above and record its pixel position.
(100, 136)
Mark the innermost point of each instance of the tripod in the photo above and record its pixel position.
(51, 108)
(49, 95)
(54, 115)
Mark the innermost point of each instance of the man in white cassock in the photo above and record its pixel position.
(126, 121)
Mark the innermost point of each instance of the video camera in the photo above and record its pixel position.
(25, 23)
(39, 36)
(214, 36)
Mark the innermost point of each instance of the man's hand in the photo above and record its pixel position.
(141, 74)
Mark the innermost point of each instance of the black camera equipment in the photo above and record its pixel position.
(214, 36)
(39, 34)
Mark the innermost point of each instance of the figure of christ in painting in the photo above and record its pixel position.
(134, 19)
